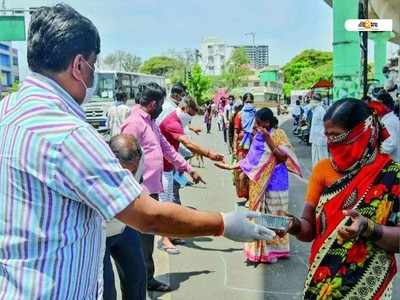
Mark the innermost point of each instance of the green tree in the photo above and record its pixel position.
(161, 65)
(198, 84)
(123, 61)
(307, 68)
(236, 69)
(15, 86)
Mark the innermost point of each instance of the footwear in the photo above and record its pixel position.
(158, 286)
(272, 260)
(178, 242)
(169, 249)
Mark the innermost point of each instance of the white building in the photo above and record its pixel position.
(8, 65)
(214, 53)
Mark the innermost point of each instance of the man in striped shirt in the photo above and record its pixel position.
(59, 180)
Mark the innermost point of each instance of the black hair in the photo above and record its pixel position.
(248, 96)
(386, 99)
(56, 35)
(266, 115)
(178, 89)
(347, 113)
(150, 91)
(231, 97)
(297, 102)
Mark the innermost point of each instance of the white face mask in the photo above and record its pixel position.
(140, 169)
(89, 92)
(184, 117)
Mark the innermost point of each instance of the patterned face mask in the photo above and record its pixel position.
(353, 149)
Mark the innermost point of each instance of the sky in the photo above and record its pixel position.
(151, 27)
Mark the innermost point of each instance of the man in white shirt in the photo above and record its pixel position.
(319, 148)
(118, 114)
(392, 123)
(171, 103)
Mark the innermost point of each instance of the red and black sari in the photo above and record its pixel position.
(355, 269)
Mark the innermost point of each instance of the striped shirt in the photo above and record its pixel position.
(59, 182)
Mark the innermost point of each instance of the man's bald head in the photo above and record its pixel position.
(125, 148)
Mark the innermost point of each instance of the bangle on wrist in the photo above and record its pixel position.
(368, 229)
(222, 227)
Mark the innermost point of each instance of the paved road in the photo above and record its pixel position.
(214, 268)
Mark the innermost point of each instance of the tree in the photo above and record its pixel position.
(15, 86)
(160, 65)
(123, 61)
(236, 69)
(307, 68)
(198, 84)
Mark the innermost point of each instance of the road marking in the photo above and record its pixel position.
(250, 290)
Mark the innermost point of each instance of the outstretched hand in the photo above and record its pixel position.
(196, 177)
(223, 165)
(216, 156)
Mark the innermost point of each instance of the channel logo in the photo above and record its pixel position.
(369, 25)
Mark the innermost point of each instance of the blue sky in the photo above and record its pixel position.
(151, 27)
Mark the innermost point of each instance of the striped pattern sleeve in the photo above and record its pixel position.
(87, 171)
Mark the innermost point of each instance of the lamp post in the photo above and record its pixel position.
(364, 46)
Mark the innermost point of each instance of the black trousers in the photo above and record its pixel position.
(128, 257)
(147, 242)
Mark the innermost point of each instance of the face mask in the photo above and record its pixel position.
(89, 91)
(351, 147)
(184, 117)
(140, 169)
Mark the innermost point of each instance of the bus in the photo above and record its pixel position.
(108, 85)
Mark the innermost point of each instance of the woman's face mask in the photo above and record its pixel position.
(350, 147)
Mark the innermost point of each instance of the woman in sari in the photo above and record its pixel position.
(351, 212)
(267, 163)
(240, 148)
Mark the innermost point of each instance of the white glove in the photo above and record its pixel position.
(237, 227)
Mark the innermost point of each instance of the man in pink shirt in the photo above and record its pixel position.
(141, 124)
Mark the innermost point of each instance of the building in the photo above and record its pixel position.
(258, 55)
(266, 85)
(213, 54)
(8, 65)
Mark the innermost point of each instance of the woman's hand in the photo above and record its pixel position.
(265, 132)
(357, 227)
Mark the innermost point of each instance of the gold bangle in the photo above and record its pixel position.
(370, 228)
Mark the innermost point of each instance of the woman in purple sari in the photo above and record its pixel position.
(267, 164)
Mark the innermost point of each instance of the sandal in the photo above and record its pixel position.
(170, 250)
(178, 242)
(158, 286)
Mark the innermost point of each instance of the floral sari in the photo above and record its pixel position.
(268, 190)
(355, 269)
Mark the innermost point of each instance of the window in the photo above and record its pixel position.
(15, 61)
(210, 60)
(4, 47)
(5, 60)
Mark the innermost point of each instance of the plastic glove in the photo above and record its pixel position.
(237, 227)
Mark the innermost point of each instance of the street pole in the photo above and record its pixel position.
(365, 49)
